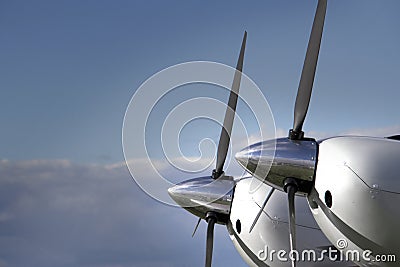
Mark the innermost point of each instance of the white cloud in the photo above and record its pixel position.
(379, 132)
(374, 132)
(58, 213)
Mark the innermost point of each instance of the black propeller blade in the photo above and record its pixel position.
(308, 73)
(223, 145)
(197, 225)
(261, 209)
(291, 189)
(301, 107)
(211, 220)
(226, 130)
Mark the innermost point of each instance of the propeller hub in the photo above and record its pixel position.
(290, 182)
(273, 161)
(216, 174)
(296, 135)
(205, 196)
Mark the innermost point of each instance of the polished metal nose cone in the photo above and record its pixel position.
(243, 157)
(257, 158)
(273, 161)
(205, 194)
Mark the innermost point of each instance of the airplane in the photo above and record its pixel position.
(342, 192)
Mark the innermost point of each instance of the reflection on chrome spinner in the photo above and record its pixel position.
(275, 160)
(205, 194)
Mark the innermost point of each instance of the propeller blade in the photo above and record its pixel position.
(308, 73)
(211, 220)
(224, 139)
(291, 189)
(261, 209)
(197, 225)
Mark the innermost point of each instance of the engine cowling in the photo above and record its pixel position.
(356, 197)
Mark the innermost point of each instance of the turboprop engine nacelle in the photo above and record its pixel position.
(356, 196)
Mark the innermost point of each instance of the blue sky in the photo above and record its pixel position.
(69, 68)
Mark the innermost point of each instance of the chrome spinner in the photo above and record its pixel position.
(273, 161)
